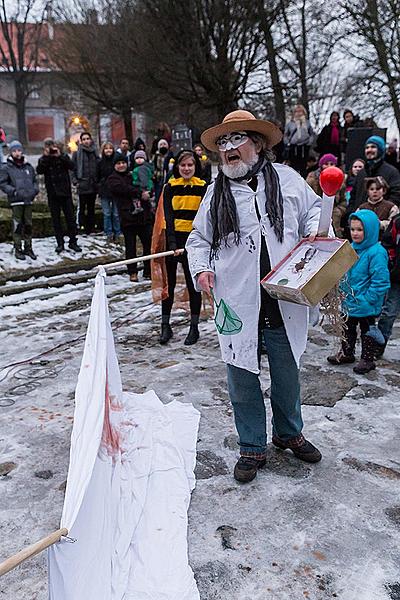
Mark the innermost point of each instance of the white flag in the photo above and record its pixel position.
(129, 483)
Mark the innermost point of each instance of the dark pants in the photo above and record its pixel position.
(144, 234)
(86, 218)
(390, 311)
(22, 225)
(298, 156)
(350, 334)
(56, 205)
(171, 263)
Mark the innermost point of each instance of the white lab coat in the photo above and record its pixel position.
(237, 269)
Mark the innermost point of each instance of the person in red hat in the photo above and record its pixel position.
(250, 218)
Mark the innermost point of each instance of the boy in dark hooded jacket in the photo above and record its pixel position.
(134, 214)
(364, 288)
(18, 181)
(391, 308)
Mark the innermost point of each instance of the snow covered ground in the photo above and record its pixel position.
(298, 531)
(93, 246)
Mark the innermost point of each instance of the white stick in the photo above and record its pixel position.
(32, 550)
(326, 215)
(130, 261)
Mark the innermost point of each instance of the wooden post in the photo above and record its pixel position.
(29, 551)
(131, 261)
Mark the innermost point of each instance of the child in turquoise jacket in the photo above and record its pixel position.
(364, 289)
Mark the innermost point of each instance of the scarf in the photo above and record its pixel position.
(224, 217)
(371, 166)
(300, 124)
(334, 134)
(80, 160)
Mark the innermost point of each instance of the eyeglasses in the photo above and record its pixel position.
(231, 141)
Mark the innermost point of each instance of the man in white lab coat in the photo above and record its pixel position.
(250, 218)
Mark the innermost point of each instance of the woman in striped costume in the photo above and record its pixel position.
(182, 196)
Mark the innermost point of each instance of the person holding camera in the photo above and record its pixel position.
(55, 165)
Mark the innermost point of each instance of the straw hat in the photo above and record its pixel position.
(241, 120)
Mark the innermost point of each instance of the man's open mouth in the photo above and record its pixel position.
(232, 157)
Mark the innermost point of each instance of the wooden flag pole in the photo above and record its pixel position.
(131, 261)
(29, 551)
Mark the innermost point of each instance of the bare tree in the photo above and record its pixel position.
(306, 45)
(372, 43)
(92, 56)
(199, 53)
(22, 30)
(268, 15)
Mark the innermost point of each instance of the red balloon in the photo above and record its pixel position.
(331, 180)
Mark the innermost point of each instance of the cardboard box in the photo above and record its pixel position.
(310, 270)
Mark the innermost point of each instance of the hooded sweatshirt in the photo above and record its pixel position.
(367, 282)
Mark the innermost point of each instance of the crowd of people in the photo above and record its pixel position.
(129, 183)
(227, 234)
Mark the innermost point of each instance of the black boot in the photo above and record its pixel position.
(346, 354)
(166, 333)
(60, 248)
(19, 253)
(368, 352)
(29, 252)
(74, 246)
(193, 335)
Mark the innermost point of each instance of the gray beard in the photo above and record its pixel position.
(240, 170)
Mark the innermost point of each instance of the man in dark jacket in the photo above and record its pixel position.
(85, 177)
(18, 181)
(375, 166)
(391, 307)
(134, 214)
(56, 167)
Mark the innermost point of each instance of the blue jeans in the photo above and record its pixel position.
(111, 217)
(248, 400)
(391, 309)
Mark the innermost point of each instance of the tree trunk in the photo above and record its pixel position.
(20, 103)
(127, 118)
(279, 100)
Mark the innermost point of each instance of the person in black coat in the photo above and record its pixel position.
(206, 170)
(329, 140)
(134, 213)
(105, 166)
(56, 167)
(85, 178)
(351, 121)
(375, 166)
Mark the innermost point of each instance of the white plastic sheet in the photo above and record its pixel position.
(129, 484)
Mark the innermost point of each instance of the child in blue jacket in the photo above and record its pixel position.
(364, 290)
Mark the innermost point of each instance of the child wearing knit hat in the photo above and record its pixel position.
(18, 181)
(142, 175)
(329, 160)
